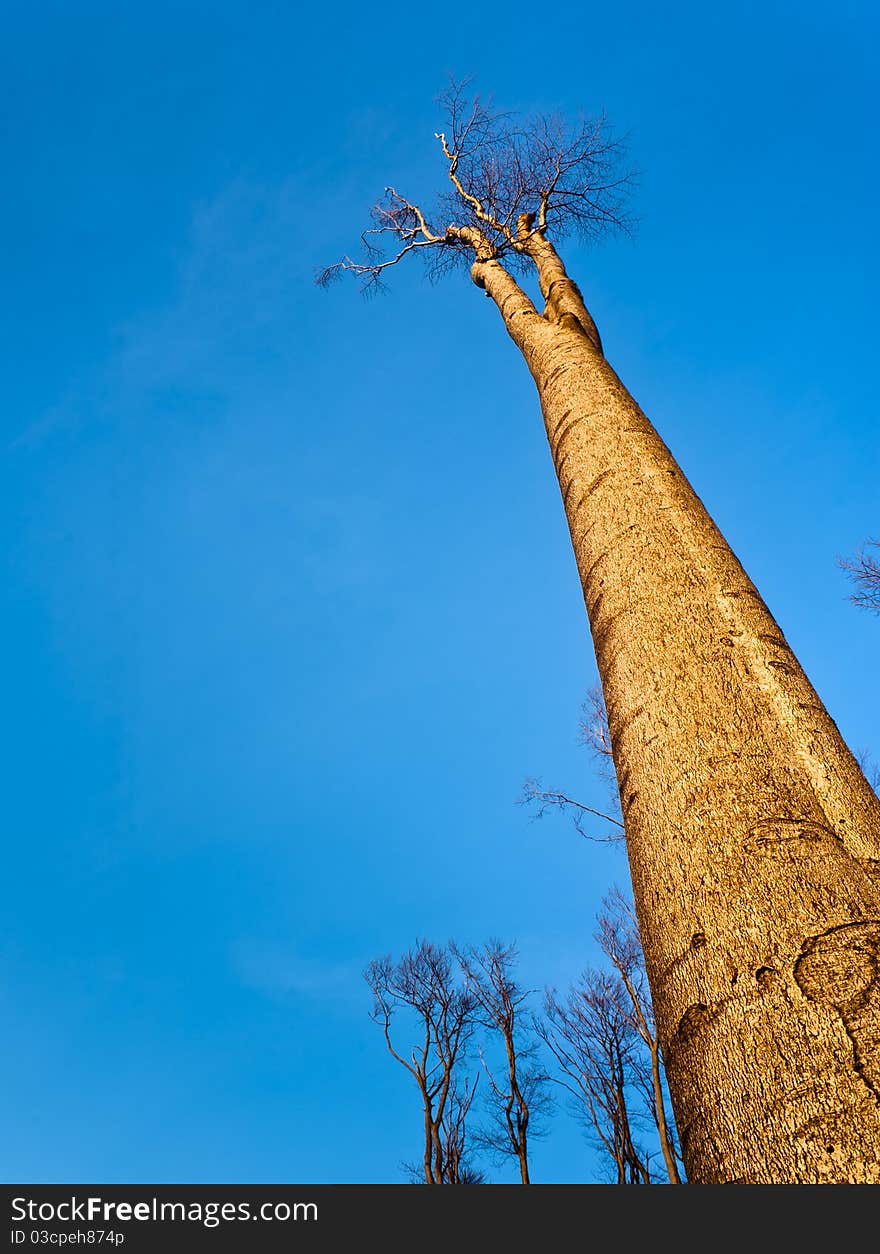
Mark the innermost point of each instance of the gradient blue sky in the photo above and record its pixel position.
(288, 604)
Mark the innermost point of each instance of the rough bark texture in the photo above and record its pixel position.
(753, 836)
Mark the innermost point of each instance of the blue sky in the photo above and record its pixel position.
(288, 605)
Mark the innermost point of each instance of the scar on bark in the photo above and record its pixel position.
(693, 1020)
(840, 968)
(770, 834)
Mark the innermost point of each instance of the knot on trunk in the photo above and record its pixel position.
(841, 969)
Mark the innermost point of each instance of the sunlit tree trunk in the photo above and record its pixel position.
(753, 836)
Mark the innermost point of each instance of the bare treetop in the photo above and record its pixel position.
(423, 985)
(864, 570)
(511, 184)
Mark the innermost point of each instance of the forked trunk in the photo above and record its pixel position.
(753, 836)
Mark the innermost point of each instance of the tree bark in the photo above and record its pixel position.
(753, 836)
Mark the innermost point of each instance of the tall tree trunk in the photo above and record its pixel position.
(753, 837)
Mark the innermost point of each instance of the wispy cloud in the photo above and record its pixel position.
(277, 970)
(237, 276)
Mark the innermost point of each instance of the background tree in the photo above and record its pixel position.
(864, 570)
(590, 1034)
(618, 931)
(424, 984)
(518, 1090)
(871, 769)
(618, 934)
(604, 1039)
(749, 823)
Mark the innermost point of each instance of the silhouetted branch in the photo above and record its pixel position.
(592, 1038)
(593, 726)
(516, 1100)
(545, 799)
(423, 982)
(618, 935)
(864, 571)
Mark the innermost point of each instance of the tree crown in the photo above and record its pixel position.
(511, 182)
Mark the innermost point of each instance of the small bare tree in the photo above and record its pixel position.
(443, 1015)
(864, 570)
(591, 1035)
(871, 768)
(618, 934)
(518, 1099)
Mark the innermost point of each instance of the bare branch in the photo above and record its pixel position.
(593, 1041)
(870, 769)
(517, 1101)
(864, 571)
(593, 726)
(484, 217)
(547, 799)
